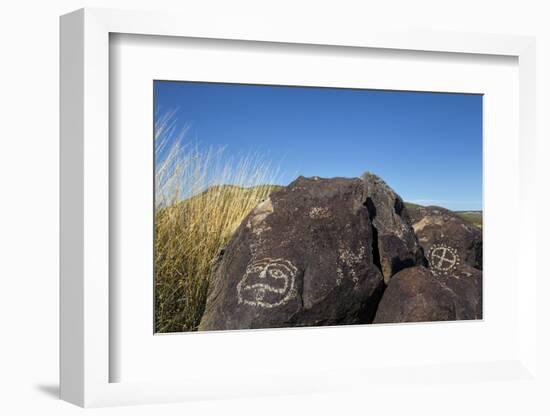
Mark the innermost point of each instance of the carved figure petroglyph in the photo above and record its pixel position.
(350, 261)
(443, 259)
(267, 283)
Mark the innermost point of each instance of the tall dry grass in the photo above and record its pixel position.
(201, 197)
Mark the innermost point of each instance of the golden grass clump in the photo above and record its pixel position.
(200, 199)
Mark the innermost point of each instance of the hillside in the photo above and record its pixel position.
(473, 217)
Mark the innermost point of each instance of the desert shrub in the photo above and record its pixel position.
(201, 197)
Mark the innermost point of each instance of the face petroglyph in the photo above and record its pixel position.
(443, 259)
(267, 283)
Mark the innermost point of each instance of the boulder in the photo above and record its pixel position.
(448, 241)
(417, 295)
(303, 257)
(392, 232)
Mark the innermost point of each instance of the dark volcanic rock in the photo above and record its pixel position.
(393, 234)
(417, 295)
(448, 241)
(303, 257)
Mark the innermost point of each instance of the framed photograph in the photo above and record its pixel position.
(307, 238)
(271, 211)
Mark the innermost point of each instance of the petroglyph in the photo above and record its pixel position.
(443, 259)
(349, 261)
(319, 213)
(267, 283)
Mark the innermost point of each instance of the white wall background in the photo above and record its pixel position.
(29, 57)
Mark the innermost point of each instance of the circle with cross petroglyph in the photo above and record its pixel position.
(443, 258)
(267, 283)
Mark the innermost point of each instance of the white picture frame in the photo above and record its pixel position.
(85, 352)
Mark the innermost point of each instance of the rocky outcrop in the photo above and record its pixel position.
(393, 234)
(417, 295)
(344, 251)
(448, 241)
(304, 257)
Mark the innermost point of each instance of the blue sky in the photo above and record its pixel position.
(426, 146)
